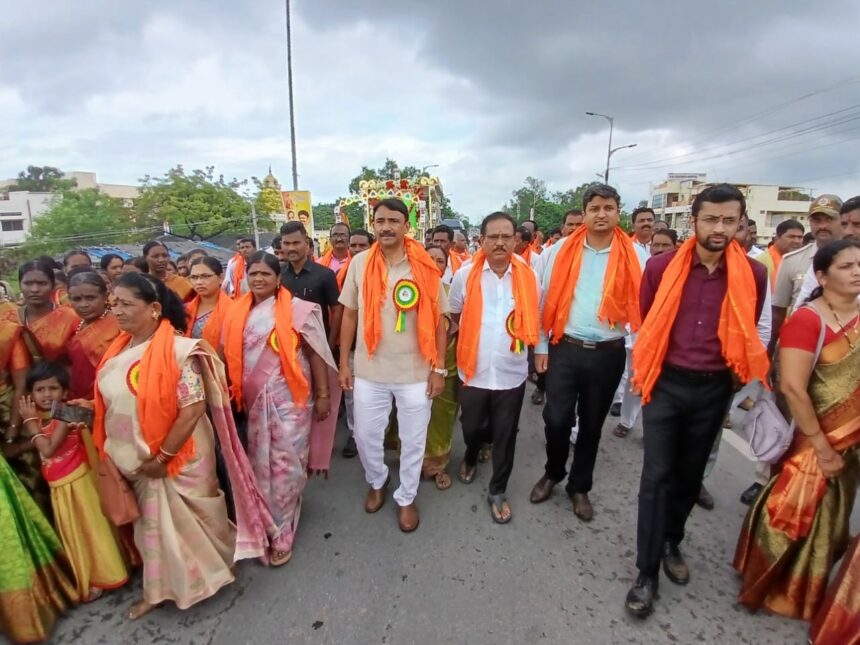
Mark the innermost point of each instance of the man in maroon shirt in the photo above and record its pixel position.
(691, 396)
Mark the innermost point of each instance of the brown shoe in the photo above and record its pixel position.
(542, 490)
(408, 518)
(582, 507)
(376, 498)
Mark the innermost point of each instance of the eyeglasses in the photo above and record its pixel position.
(202, 276)
(506, 238)
(340, 236)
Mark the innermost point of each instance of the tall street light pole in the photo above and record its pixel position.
(292, 112)
(609, 146)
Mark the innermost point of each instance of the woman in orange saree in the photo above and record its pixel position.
(838, 621)
(798, 527)
(50, 326)
(210, 304)
(158, 259)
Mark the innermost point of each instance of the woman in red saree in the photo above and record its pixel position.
(94, 334)
(798, 527)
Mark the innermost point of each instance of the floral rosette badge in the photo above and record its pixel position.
(406, 297)
(516, 344)
(132, 379)
(275, 344)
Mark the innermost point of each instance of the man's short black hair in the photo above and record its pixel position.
(788, 225)
(344, 224)
(719, 194)
(492, 217)
(638, 211)
(393, 204)
(447, 230)
(361, 231)
(293, 227)
(600, 190)
(555, 231)
(849, 205)
(671, 233)
(525, 234)
(247, 240)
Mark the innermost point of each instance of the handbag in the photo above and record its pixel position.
(766, 429)
(117, 499)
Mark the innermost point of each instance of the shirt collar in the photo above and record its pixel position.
(698, 262)
(487, 268)
(593, 250)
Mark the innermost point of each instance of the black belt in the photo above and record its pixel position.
(594, 344)
(696, 375)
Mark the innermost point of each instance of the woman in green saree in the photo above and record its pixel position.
(35, 578)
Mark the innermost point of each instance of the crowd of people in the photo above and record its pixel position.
(167, 415)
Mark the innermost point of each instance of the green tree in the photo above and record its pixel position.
(197, 206)
(42, 179)
(82, 218)
(323, 216)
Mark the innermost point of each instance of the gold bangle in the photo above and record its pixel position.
(166, 454)
(28, 419)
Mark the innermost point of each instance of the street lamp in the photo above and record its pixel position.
(432, 165)
(609, 149)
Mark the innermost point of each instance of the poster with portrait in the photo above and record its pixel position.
(299, 209)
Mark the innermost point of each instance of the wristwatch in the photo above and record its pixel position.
(440, 371)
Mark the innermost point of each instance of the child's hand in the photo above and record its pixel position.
(27, 408)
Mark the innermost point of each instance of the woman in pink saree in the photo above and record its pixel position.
(283, 374)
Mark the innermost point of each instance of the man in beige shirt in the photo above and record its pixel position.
(401, 363)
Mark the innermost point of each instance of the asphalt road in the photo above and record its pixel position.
(544, 578)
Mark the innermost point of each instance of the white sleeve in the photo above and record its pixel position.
(809, 284)
(457, 292)
(227, 285)
(764, 322)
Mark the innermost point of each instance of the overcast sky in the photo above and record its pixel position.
(765, 91)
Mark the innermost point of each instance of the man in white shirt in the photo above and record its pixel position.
(235, 281)
(493, 381)
(643, 229)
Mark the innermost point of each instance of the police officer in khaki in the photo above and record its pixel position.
(825, 225)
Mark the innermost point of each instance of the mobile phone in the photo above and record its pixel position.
(71, 413)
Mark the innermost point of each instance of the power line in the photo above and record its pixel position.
(657, 163)
(734, 125)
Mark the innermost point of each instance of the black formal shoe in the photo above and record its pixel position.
(538, 397)
(705, 499)
(674, 566)
(615, 410)
(349, 450)
(749, 495)
(641, 597)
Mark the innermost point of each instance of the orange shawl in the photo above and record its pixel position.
(456, 262)
(157, 402)
(53, 332)
(341, 274)
(238, 275)
(741, 346)
(328, 256)
(525, 322)
(464, 256)
(776, 260)
(287, 346)
(527, 255)
(619, 304)
(425, 273)
(181, 287)
(212, 329)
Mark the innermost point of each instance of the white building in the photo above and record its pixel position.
(18, 209)
(767, 205)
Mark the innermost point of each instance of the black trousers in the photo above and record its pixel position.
(681, 423)
(583, 380)
(541, 378)
(492, 416)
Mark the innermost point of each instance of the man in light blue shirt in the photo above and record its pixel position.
(584, 366)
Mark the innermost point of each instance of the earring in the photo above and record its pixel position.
(155, 315)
